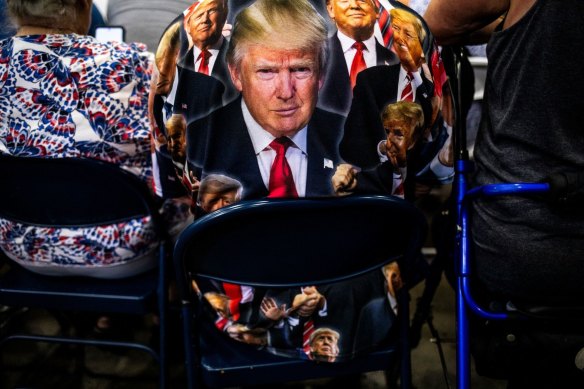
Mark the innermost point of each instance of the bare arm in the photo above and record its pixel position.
(464, 21)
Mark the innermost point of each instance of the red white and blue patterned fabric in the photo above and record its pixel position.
(72, 96)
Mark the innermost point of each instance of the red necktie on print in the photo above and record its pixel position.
(307, 332)
(408, 93)
(358, 63)
(384, 25)
(221, 323)
(281, 181)
(399, 190)
(234, 293)
(204, 64)
(438, 71)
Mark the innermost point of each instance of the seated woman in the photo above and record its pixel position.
(65, 94)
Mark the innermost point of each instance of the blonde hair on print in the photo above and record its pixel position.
(281, 25)
(409, 17)
(169, 44)
(407, 112)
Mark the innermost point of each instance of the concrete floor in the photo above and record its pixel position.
(28, 365)
(426, 368)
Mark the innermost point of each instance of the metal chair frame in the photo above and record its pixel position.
(246, 243)
(81, 192)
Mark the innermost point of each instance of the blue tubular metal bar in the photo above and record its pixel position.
(463, 294)
(505, 189)
(486, 191)
(463, 368)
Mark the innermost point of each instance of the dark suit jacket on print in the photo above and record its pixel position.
(199, 94)
(374, 325)
(345, 303)
(349, 305)
(376, 87)
(376, 180)
(220, 143)
(424, 151)
(379, 179)
(335, 94)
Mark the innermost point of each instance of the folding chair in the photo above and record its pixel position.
(332, 239)
(67, 192)
(567, 188)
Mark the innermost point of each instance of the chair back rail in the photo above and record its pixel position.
(300, 242)
(41, 192)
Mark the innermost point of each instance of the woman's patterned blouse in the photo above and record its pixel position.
(73, 96)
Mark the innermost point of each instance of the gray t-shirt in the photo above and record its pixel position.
(531, 128)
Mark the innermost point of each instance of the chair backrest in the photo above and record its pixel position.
(62, 192)
(75, 192)
(286, 242)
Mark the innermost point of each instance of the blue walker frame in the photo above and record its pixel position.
(464, 299)
(465, 302)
